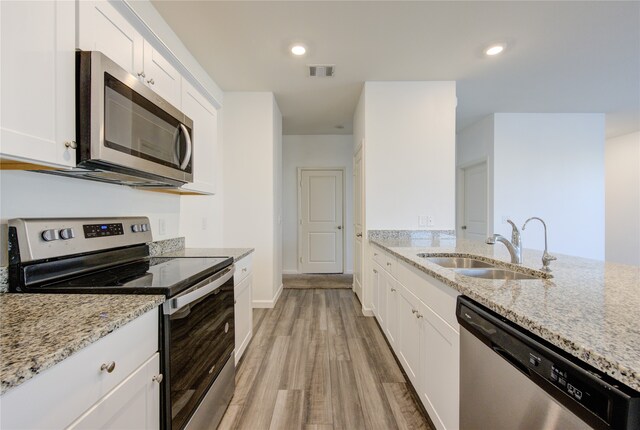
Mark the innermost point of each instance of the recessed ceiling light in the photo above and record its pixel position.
(494, 50)
(298, 50)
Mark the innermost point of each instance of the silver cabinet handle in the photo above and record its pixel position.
(244, 269)
(109, 367)
(71, 144)
(388, 264)
(358, 234)
(151, 81)
(158, 378)
(393, 290)
(141, 74)
(375, 271)
(414, 311)
(375, 254)
(339, 227)
(419, 316)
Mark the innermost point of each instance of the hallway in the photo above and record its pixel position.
(315, 362)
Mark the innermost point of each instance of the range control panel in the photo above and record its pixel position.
(42, 238)
(102, 230)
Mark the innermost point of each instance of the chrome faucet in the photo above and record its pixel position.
(546, 257)
(514, 247)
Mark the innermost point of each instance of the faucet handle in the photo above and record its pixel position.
(546, 260)
(491, 240)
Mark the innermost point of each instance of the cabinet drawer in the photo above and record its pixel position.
(243, 269)
(439, 297)
(386, 261)
(134, 404)
(68, 389)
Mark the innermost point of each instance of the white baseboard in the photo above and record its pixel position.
(268, 304)
(367, 312)
(289, 272)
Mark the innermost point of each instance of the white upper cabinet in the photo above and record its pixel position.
(37, 119)
(102, 28)
(204, 137)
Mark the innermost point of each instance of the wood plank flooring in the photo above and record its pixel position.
(316, 363)
(317, 281)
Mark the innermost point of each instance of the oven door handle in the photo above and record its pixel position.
(173, 305)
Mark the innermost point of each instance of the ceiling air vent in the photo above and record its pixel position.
(321, 71)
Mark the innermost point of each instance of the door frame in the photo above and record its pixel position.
(299, 214)
(460, 190)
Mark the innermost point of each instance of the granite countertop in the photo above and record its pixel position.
(236, 253)
(38, 331)
(588, 309)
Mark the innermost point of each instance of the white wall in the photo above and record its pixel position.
(622, 197)
(201, 217)
(251, 124)
(410, 154)
(552, 166)
(314, 151)
(474, 145)
(277, 184)
(546, 165)
(30, 194)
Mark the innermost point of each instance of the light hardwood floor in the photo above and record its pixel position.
(316, 363)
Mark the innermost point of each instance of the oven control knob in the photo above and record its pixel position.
(49, 235)
(144, 227)
(136, 228)
(67, 233)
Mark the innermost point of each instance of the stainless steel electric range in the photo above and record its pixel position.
(111, 256)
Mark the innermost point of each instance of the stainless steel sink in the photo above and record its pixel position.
(456, 262)
(495, 273)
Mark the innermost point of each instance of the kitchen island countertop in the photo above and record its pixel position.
(38, 331)
(589, 308)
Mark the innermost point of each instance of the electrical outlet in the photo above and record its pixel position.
(162, 227)
(429, 221)
(423, 220)
(204, 223)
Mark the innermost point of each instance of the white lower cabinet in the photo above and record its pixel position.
(134, 404)
(439, 376)
(377, 294)
(243, 309)
(80, 391)
(420, 325)
(393, 297)
(408, 349)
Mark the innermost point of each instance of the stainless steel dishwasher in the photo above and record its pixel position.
(512, 379)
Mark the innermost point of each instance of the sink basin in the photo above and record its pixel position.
(488, 273)
(456, 262)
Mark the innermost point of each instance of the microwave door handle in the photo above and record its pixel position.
(187, 156)
(176, 144)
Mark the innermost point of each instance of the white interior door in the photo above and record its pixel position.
(320, 225)
(475, 202)
(357, 223)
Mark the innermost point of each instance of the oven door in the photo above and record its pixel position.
(124, 123)
(199, 341)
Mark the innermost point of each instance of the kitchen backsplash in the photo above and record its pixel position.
(155, 249)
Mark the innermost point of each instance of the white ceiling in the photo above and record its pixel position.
(561, 56)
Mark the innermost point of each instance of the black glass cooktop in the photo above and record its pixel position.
(167, 276)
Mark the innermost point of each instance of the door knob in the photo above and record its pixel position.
(109, 367)
(339, 227)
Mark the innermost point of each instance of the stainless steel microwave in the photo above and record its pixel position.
(125, 132)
